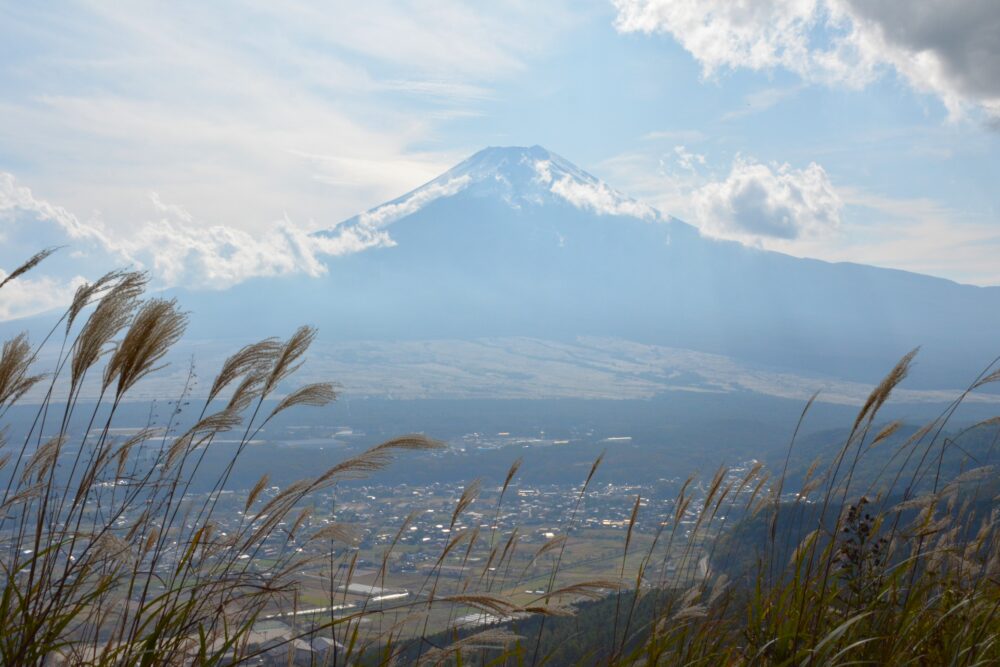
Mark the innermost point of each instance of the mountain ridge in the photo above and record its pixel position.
(518, 242)
(520, 176)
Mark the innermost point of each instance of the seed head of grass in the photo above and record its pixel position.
(15, 362)
(31, 263)
(156, 328)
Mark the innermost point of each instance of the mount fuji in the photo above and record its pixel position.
(518, 242)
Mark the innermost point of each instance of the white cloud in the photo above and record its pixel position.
(175, 246)
(388, 213)
(246, 112)
(27, 296)
(655, 177)
(949, 48)
(590, 194)
(757, 34)
(688, 160)
(914, 234)
(771, 201)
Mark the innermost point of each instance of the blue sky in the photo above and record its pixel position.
(835, 129)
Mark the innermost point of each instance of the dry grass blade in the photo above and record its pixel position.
(550, 545)
(751, 474)
(151, 539)
(126, 447)
(719, 587)
(468, 497)
(155, 329)
(110, 546)
(316, 395)
(179, 446)
(110, 317)
(593, 469)
(631, 523)
(299, 520)
(514, 467)
(43, 459)
(287, 358)
(25, 494)
(690, 612)
(487, 639)
(376, 458)
(337, 532)
(594, 589)
(969, 476)
(496, 637)
(253, 357)
(804, 546)
(562, 610)
(203, 431)
(887, 432)
(488, 603)
(256, 491)
(246, 391)
(713, 488)
(920, 502)
(85, 294)
(291, 493)
(457, 539)
(15, 361)
(759, 500)
(414, 441)
(355, 467)
(219, 422)
(881, 393)
(683, 500)
(509, 546)
(992, 377)
(32, 262)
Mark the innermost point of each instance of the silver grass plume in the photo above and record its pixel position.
(32, 262)
(154, 330)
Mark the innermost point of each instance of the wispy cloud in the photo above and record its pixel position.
(224, 106)
(589, 194)
(388, 213)
(27, 296)
(689, 160)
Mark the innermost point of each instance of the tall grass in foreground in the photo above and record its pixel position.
(892, 566)
(107, 559)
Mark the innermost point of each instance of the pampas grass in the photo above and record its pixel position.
(106, 560)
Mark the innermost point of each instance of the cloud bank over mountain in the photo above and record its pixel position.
(181, 251)
(756, 203)
(517, 241)
(177, 249)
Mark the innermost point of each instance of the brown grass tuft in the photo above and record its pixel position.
(32, 262)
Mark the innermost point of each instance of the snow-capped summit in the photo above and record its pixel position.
(516, 175)
(536, 176)
(520, 242)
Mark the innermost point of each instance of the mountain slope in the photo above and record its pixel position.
(519, 242)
